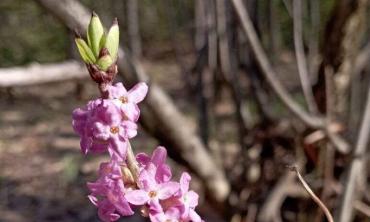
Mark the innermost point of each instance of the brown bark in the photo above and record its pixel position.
(339, 49)
(133, 27)
(160, 117)
(42, 73)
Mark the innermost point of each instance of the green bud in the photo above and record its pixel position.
(104, 62)
(95, 32)
(84, 50)
(102, 41)
(112, 40)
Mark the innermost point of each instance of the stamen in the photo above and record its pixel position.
(114, 129)
(124, 99)
(152, 194)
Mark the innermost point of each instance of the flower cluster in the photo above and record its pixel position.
(107, 124)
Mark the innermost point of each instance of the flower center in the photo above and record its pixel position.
(124, 99)
(152, 194)
(114, 129)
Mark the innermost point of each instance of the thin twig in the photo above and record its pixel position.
(362, 207)
(285, 187)
(312, 194)
(357, 166)
(301, 57)
(288, 7)
(269, 73)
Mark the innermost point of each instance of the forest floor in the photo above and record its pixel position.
(42, 171)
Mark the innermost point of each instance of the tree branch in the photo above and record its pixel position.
(301, 57)
(42, 73)
(269, 72)
(357, 167)
(329, 217)
(309, 119)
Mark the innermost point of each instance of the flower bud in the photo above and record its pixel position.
(84, 50)
(112, 40)
(95, 32)
(104, 62)
(128, 178)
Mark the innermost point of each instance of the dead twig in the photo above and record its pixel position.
(357, 167)
(362, 207)
(312, 194)
(269, 73)
(270, 211)
(301, 57)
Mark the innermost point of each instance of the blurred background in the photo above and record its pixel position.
(233, 119)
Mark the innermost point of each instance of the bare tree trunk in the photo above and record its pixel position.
(200, 24)
(313, 45)
(134, 28)
(274, 28)
(160, 117)
(229, 69)
(340, 47)
(201, 46)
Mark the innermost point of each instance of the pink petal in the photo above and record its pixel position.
(137, 93)
(93, 199)
(137, 197)
(106, 211)
(143, 158)
(116, 91)
(147, 178)
(163, 173)
(120, 203)
(159, 155)
(131, 111)
(184, 182)
(193, 216)
(192, 199)
(101, 131)
(168, 189)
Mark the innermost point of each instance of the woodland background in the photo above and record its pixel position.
(234, 105)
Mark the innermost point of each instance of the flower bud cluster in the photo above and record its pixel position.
(101, 50)
(106, 125)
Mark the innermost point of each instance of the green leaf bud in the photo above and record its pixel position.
(95, 32)
(105, 62)
(85, 52)
(112, 40)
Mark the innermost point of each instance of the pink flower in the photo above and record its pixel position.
(110, 128)
(188, 199)
(171, 215)
(102, 127)
(158, 159)
(151, 191)
(82, 124)
(108, 193)
(127, 100)
(184, 201)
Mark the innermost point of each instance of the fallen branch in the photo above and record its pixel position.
(41, 73)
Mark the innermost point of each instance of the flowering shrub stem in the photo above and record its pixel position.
(107, 124)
